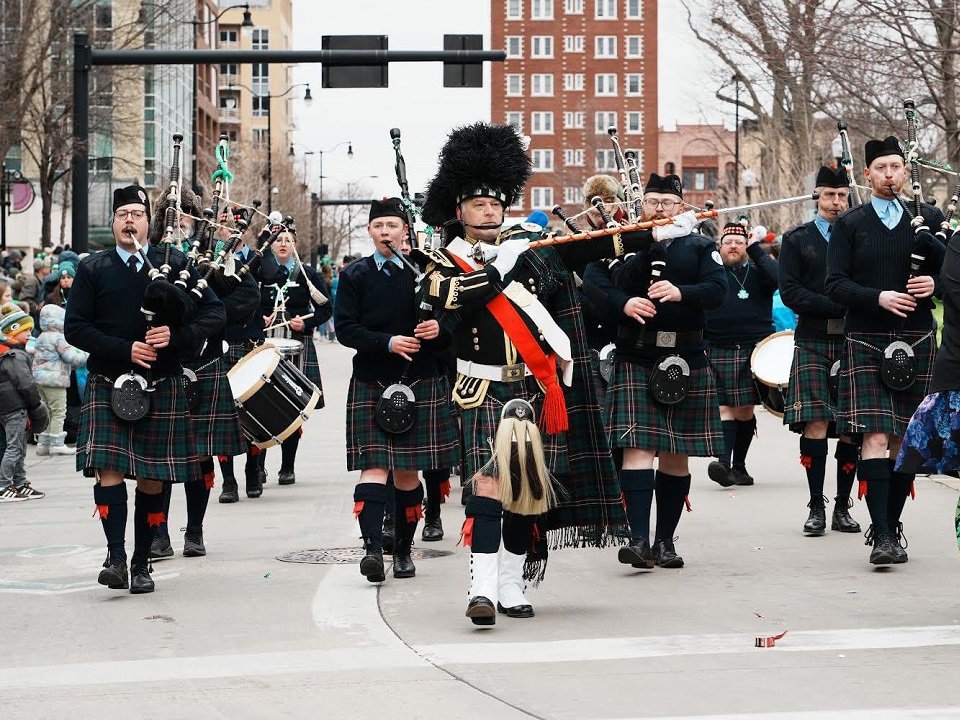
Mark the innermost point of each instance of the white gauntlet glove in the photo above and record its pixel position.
(508, 254)
(683, 225)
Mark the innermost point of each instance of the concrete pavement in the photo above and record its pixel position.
(239, 634)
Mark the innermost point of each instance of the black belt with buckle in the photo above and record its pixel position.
(649, 338)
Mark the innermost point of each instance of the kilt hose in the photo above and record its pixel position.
(216, 426)
(635, 420)
(865, 404)
(734, 379)
(432, 442)
(159, 446)
(807, 397)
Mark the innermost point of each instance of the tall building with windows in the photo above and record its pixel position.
(574, 68)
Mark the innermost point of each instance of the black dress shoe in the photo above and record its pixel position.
(719, 473)
(140, 580)
(665, 554)
(481, 611)
(229, 492)
(740, 476)
(193, 544)
(403, 566)
(637, 553)
(432, 529)
(517, 611)
(882, 552)
(388, 534)
(841, 520)
(160, 548)
(255, 485)
(286, 477)
(371, 566)
(816, 523)
(114, 574)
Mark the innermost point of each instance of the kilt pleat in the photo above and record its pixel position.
(159, 446)
(635, 420)
(216, 426)
(807, 397)
(432, 442)
(865, 404)
(733, 376)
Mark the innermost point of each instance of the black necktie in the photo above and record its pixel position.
(387, 269)
(132, 263)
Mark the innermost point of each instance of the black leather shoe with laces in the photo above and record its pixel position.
(637, 553)
(842, 521)
(665, 554)
(740, 476)
(481, 611)
(719, 473)
(403, 566)
(899, 545)
(882, 552)
(193, 544)
(140, 580)
(371, 565)
(432, 529)
(160, 548)
(816, 523)
(229, 492)
(255, 483)
(286, 477)
(114, 573)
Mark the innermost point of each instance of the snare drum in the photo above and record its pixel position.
(770, 364)
(273, 398)
(288, 347)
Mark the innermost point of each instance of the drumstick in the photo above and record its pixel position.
(287, 322)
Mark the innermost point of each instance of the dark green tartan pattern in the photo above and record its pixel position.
(432, 442)
(865, 404)
(236, 352)
(807, 397)
(159, 446)
(215, 423)
(731, 370)
(636, 420)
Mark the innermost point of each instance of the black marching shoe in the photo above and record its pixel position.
(371, 566)
(883, 552)
(719, 473)
(140, 580)
(740, 476)
(481, 611)
(665, 554)
(286, 477)
(637, 553)
(389, 534)
(193, 544)
(255, 482)
(403, 566)
(229, 492)
(899, 545)
(432, 529)
(517, 611)
(160, 548)
(114, 573)
(842, 521)
(816, 523)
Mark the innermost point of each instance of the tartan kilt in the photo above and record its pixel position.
(807, 397)
(731, 369)
(215, 422)
(480, 427)
(865, 404)
(635, 420)
(236, 352)
(432, 442)
(159, 446)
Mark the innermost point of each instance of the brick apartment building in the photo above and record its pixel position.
(573, 69)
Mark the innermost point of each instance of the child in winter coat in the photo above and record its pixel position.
(53, 358)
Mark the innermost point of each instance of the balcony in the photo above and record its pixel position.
(225, 80)
(229, 115)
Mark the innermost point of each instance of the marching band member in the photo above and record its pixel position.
(518, 335)
(377, 315)
(104, 318)
(661, 319)
(810, 404)
(733, 331)
(891, 343)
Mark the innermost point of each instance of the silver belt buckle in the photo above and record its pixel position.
(512, 373)
(666, 339)
(835, 326)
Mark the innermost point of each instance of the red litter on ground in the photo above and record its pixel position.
(765, 641)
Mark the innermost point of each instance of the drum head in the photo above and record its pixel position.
(772, 358)
(286, 346)
(247, 375)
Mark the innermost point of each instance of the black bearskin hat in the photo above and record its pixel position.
(477, 160)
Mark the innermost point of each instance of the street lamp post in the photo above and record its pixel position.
(736, 137)
(349, 145)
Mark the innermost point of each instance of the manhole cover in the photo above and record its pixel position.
(336, 556)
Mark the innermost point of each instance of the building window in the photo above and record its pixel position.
(514, 9)
(261, 105)
(542, 46)
(541, 123)
(605, 160)
(573, 81)
(542, 161)
(606, 84)
(634, 9)
(541, 197)
(573, 120)
(261, 38)
(573, 43)
(228, 37)
(514, 85)
(700, 178)
(515, 119)
(541, 9)
(573, 195)
(231, 134)
(634, 84)
(573, 7)
(634, 122)
(606, 10)
(260, 137)
(604, 120)
(605, 46)
(514, 46)
(573, 157)
(541, 85)
(634, 46)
